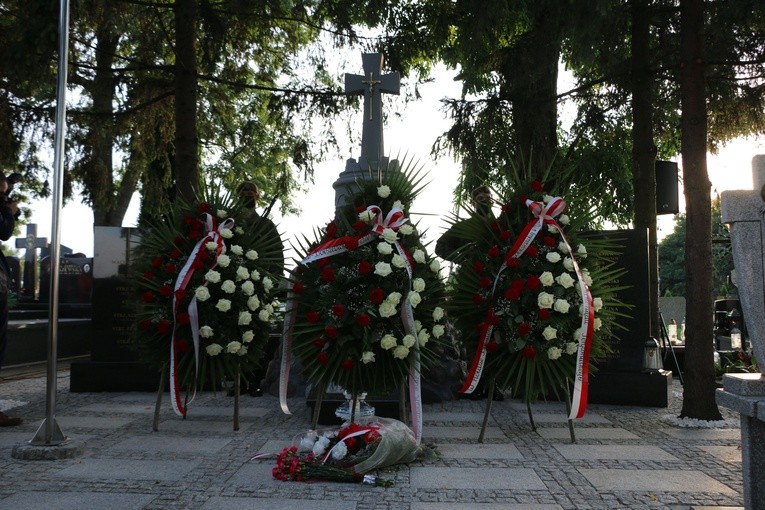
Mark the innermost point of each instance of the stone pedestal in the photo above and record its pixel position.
(745, 393)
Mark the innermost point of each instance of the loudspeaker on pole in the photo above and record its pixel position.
(667, 200)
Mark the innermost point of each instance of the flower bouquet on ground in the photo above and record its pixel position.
(531, 297)
(348, 453)
(366, 301)
(207, 299)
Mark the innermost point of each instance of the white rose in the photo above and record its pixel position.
(398, 205)
(438, 330)
(226, 233)
(383, 191)
(565, 280)
(223, 260)
(213, 349)
(382, 269)
(224, 305)
(211, 245)
(239, 230)
(242, 351)
(366, 216)
(255, 275)
(236, 249)
(222, 213)
(268, 284)
(563, 219)
(597, 304)
(572, 347)
(554, 352)
(248, 336)
(547, 278)
(242, 273)
(549, 333)
(248, 288)
(435, 265)
(251, 255)
(418, 284)
(394, 298)
(389, 235)
(552, 229)
(563, 247)
(387, 309)
(419, 256)
(253, 303)
(547, 198)
(423, 337)
(318, 449)
(596, 324)
(228, 287)
(561, 305)
(233, 347)
(577, 332)
(202, 294)
(206, 332)
(400, 352)
(367, 357)
(264, 315)
(417, 325)
(306, 443)
(553, 257)
(406, 229)
(384, 248)
(408, 341)
(212, 276)
(245, 318)
(545, 300)
(414, 298)
(339, 451)
(388, 342)
(398, 261)
(568, 264)
(587, 279)
(581, 251)
(438, 313)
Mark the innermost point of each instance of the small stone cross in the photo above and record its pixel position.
(372, 84)
(30, 243)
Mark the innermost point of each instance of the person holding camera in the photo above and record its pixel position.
(9, 213)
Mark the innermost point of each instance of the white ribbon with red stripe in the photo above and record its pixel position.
(181, 286)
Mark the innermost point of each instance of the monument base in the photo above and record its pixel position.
(28, 340)
(649, 389)
(112, 376)
(745, 393)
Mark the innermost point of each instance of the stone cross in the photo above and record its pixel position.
(30, 244)
(372, 84)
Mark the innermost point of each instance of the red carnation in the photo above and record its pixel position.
(537, 186)
(493, 252)
(495, 227)
(197, 224)
(331, 229)
(506, 208)
(493, 320)
(511, 262)
(543, 314)
(157, 262)
(195, 235)
(549, 241)
(371, 436)
(478, 266)
(182, 345)
(322, 358)
(365, 267)
(163, 326)
(328, 275)
(203, 207)
(477, 299)
(148, 275)
(330, 331)
(145, 324)
(523, 329)
(351, 244)
(322, 262)
(511, 294)
(347, 364)
(359, 226)
(180, 294)
(165, 290)
(319, 342)
(529, 352)
(148, 296)
(175, 254)
(484, 282)
(376, 296)
(338, 310)
(312, 316)
(298, 288)
(197, 265)
(533, 283)
(170, 268)
(183, 318)
(360, 209)
(523, 199)
(492, 346)
(363, 320)
(517, 284)
(203, 255)
(505, 236)
(532, 252)
(188, 219)
(178, 240)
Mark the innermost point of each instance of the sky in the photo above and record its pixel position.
(411, 135)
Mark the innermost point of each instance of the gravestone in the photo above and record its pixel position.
(14, 264)
(113, 366)
(620, 377)
(30, 243)
(75, 280)
(742, 211)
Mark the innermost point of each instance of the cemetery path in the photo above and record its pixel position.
(624, 457)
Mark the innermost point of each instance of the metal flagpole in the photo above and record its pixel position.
(49, 433)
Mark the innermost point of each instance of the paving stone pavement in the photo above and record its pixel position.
(623, 458)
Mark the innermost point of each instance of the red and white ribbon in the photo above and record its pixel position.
(181, 287)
